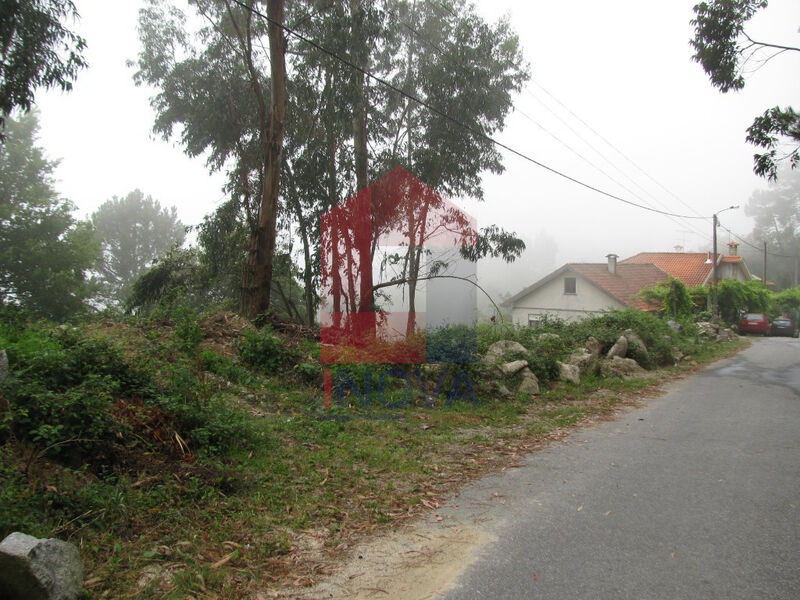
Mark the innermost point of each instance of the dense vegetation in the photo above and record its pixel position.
(734, 299)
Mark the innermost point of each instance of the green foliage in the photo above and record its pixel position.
(718, 25)
(208, 81)
(698, 295)
(61, 387)
(44, 253)
(543, 357)
(495, 242)
(785, 302)
(76, 396)
(187, 331)
(310, 372)
(544, 350)
(452, 344)
(36, 50)
(723, 48)
(671, 295)
(225, 367)
(735, 297)
(263, 350)
(134, 231)
(173, 281)
(210, 426)
(223, 240)
(770, 132)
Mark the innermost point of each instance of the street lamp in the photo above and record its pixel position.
(715, 299)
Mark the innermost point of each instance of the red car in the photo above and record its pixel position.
(754, 323)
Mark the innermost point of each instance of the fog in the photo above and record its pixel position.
(621, 70)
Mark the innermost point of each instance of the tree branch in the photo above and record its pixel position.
(426, 278)
(766, 45)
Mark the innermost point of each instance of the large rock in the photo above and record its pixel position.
(635, 343)
(621, 367)
(567, 372)
(529, 384)
(675, 326)
(512, 368)
(593, 347)
(501, 389)
(34, 569)
(620, 348)
(585, 361)
(500, 349)
(707, 329)
(726, 335)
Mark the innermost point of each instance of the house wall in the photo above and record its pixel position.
(731, 271)
(550, 300)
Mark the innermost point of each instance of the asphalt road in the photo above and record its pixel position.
(696, 495)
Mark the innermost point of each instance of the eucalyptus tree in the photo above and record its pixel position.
(211, 84)
(343, 128)
(465, 71)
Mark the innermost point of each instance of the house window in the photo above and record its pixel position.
(569, 285)
(534, 320)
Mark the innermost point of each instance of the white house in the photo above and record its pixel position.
(578, 290)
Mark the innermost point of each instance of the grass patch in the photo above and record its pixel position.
(264, 491)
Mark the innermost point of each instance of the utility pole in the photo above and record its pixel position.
(714, 299)
(765, 263)
(715, 276)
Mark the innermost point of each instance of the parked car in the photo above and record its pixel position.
(754, 323)
(782, 326)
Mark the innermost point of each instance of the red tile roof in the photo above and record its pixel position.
(626, 283)
(732, 259)
(689, 267)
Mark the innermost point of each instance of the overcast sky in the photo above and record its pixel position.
(622, 67)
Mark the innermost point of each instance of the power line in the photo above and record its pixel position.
(452, 119)
(747, 243)
(439, 50)
(602, 171)
(621, 153)
(617, 150)
(603, 156)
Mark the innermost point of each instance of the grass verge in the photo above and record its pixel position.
(282, 509)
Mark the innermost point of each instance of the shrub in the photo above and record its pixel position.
(262, 350)
(452, 344)
(785, 302)
(225, 367)
(188, 334)
(699, 298)
(736, 297)
(672, 297)
(76, 396)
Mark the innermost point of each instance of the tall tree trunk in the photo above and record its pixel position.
(414, 249)
(336, 229)
(360, 57)
(363, 246)
(262, 248)
(308, 272)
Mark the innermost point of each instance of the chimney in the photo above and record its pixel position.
(612, 263)
(733, 248)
